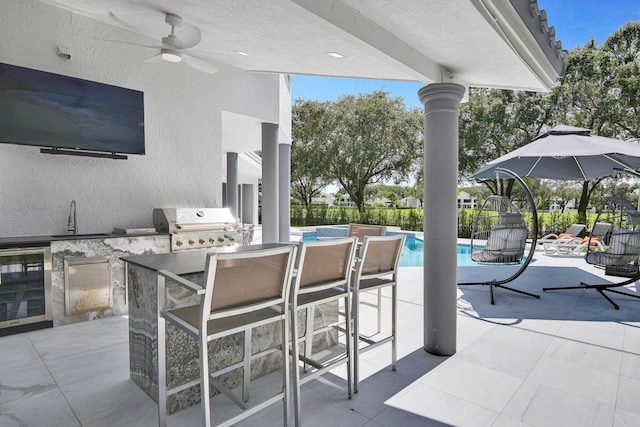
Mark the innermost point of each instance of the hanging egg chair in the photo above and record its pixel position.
(499, 237)
(614, 244)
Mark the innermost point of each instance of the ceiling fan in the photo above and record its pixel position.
(173, 47)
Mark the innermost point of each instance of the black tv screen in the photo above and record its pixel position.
(52, 110)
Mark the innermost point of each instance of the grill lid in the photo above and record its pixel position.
(177, 220)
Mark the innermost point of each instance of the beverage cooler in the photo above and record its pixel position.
(25, 289)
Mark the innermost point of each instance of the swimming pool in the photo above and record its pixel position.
(413, 252)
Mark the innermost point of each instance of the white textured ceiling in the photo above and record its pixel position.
(486, 43)
(475, 42)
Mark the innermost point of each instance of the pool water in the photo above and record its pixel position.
(412, 255)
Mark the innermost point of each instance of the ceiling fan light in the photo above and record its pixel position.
(171, 55)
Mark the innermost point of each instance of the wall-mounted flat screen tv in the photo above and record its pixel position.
(61, 112)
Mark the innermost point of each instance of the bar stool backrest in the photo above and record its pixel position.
(245, 281)
(380, 255)
(362, 230)
(325, 262)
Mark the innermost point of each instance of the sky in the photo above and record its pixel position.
(575, 22)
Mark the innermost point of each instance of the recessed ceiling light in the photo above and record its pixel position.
(335, 54)
(239, 52)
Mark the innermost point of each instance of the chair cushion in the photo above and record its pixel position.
(504, 245)
(624, 247)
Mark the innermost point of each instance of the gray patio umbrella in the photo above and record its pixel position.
(568, 153)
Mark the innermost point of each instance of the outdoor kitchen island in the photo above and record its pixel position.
(153, 342)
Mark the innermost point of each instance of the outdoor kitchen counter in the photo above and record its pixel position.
(153, 343)
(35, 241)
(187, 262)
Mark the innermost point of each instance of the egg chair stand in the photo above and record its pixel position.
(617, 252)
(499, 237)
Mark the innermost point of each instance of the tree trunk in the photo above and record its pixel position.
(583, 203)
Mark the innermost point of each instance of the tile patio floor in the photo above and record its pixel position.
(568, 359)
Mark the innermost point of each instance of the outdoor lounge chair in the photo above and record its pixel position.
(618, 250)
(577, 246)
(499, 237)
(571, 233)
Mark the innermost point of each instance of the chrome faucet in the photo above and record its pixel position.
(72, 224)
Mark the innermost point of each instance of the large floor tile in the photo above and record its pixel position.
(45, 409)
(14, 389)
(425, 405)
(630, 366)
(629, 395)
(576, 380)
(624, 418)
(98, 397)
(542, 406)
(585, 355)
(473, 383)
(508, 350)
(73, 368)
(68, 340)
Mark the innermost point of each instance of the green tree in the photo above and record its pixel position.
(310, 134)
(496, 122)
(584, 99)
(620, 65)
(375, 139)
(566, 192)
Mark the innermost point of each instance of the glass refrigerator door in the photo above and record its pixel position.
(23, 275)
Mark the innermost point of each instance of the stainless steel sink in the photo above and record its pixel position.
(80, 236)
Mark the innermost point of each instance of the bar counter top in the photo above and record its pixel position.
(189, 261)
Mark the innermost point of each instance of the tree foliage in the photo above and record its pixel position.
(375, 140)
(494, 123)
(312, 128)
(600, 90)
(620, 60)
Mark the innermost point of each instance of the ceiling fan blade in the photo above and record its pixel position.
(123, 24)
(199, 64)
(133, 44)
(154, 58)
(189, 36)
(130, 27)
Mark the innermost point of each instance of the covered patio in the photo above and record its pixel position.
(567, 359)
(196, 121)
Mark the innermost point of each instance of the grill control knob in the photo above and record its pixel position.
(178, 243)
(202, 242)
(191, 242)
(211, 240)
(220, 239)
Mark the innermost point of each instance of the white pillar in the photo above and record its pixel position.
(441, 110)
(284, 192)
(270, 198)
(249, 204)
(232, 184)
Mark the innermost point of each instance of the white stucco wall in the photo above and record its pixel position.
(183, 165)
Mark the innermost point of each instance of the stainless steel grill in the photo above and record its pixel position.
(198, 228)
